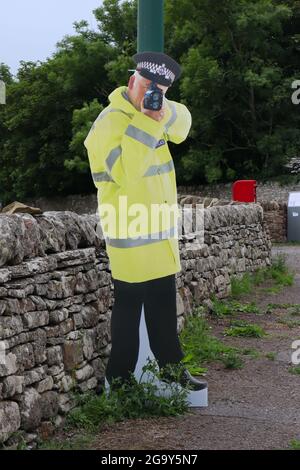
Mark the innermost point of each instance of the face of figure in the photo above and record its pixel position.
(137, 87)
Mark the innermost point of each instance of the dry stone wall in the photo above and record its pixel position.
(56, 298)
(275, 217)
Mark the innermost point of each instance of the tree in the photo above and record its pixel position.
(237, 84)
(38, 117)
(81, 123)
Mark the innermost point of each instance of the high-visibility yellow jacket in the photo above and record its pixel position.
(131, 164)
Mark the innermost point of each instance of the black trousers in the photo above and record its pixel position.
(159, 299)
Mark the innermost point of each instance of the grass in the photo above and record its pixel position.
(291, 309)
(277, 272)
(136, 400)
(196, 331)
(295, 444)
(271, 356)
(201, 347)
(76, 442)
(18, 439)
(242, 286)
(284, 243)
(273, 290)
(273, 306)
(288, 322)
(251, 352)
(232, 360)
(294, 370)
(295, 310)
(242, 328)
(232, 307)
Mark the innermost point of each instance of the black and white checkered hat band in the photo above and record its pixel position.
(157, 69)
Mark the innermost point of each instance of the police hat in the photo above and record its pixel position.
(157, 66)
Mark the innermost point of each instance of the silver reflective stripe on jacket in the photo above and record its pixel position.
(113, 156)
(158, 169)
(140, 241)
(172, 118)
(152, 170)
(141, 136)
(102, 176)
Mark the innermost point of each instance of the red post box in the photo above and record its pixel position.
(244, 191)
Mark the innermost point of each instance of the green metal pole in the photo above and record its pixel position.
(150, 25)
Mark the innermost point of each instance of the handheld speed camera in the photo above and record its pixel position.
(153, 98)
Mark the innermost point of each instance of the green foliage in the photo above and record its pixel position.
(271, 356)
(231, 307)
(244, 285)
(232, 360)
(139, 399)
(36, 122)
(128, 401)
(288, 322)
(199, 345)
(239, 60)
(295, 444)
(189, 361)
(242, 328)
(117, 22)
(5, 74)
(290, 309)
(234, 57)
(295, 310)
(273, 290)
(277, 272)
(251, 352)
(17, 441)
(295, 370)
(77, 442)
(272, 306)
(81, 123)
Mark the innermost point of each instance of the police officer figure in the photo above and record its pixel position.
(129, 157)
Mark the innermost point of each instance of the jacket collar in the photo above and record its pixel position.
(119, 99)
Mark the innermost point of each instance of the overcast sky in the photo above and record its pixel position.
(29, 29)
